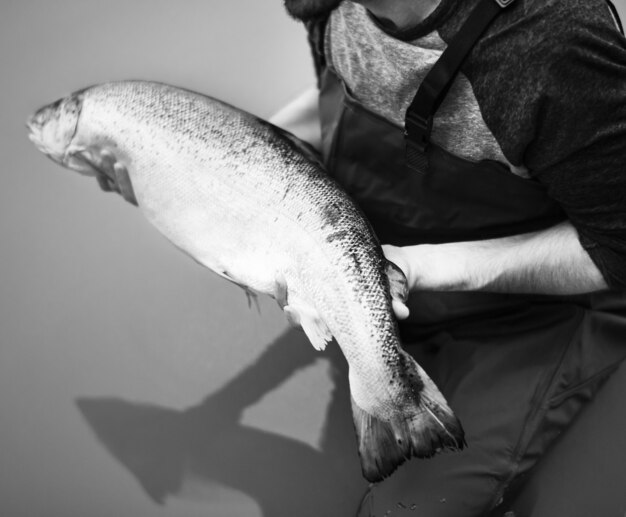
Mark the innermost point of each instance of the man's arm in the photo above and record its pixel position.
(546, 262)
(568, 127)
(550, 261)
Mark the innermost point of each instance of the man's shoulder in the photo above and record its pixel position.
(571, 9)
(538, 22)
(532, 36)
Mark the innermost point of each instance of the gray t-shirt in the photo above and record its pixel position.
(382, 73)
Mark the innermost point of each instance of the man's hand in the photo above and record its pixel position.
(550, 261)
(431, 267)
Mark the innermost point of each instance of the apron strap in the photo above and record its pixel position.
(419, 115)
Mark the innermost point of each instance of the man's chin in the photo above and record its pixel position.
(307, 10)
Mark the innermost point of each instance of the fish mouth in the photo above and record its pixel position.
(36, 137)
(51, 129)
(34, 127)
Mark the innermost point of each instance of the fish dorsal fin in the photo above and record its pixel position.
(301, 146)
(305, 315)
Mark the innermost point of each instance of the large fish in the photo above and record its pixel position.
(253, 204)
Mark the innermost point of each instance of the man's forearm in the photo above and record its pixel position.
(550, 261)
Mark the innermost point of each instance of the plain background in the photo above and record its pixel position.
(132, 381)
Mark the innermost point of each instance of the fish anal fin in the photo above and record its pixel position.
(398, 285)
(303, 314)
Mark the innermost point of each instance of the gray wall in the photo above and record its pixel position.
(132, 381)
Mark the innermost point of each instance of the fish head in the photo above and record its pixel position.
(53, 127)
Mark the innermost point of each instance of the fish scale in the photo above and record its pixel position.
(252, 203)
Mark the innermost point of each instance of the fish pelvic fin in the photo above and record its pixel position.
(253, 299)
(385, 444)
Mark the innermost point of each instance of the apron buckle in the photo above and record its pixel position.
(417, 130)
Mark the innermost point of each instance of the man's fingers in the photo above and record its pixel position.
(400, 310)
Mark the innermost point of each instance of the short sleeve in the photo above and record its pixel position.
(551, 82)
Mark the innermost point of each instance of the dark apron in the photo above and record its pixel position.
(515, 368)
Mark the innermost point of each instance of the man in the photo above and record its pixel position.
(484, 140)
(499, 189)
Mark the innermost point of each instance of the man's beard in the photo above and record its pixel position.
(307, 10)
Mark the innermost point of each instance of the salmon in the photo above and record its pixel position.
(254, 204)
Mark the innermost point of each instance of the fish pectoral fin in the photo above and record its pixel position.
(306, 316)
(300, 145)
(112, 175)
(80, 159)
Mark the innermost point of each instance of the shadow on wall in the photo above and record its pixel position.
(164, 448)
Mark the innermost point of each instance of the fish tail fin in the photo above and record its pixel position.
(384, 444)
